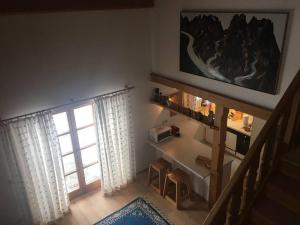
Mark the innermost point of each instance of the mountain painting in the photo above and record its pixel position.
(243, 49)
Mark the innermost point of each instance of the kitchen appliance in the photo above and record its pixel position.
(175, 131)
(246, 121)
(159, 134)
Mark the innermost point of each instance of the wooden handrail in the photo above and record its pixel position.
(254, 152)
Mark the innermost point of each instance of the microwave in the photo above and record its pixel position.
(159, 134)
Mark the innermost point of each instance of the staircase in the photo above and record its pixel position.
(279, 202)
(265, 190)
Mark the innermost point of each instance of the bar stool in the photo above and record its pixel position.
(159, 169)
(180, 179)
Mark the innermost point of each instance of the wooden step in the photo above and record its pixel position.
(268, 212)
(285, 191)
(290, 164)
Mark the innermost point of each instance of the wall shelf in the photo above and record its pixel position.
(181, 113)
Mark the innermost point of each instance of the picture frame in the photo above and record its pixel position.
(242, 48)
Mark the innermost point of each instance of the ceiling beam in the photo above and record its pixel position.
(35, 6)
(226, 101)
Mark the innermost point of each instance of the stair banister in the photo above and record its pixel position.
(282, 108)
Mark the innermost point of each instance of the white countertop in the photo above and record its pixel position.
(186, 148)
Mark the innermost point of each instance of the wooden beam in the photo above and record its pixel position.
(34, 6)
(217, 98)
(218, 151)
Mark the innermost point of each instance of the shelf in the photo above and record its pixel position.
(229, 128)
(176, 112)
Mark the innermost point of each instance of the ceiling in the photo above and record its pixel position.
(34, 6)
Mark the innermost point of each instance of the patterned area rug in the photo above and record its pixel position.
(137, 212)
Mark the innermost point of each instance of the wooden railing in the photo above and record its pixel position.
(275, 138)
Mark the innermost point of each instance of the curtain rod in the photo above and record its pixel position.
(62, 105)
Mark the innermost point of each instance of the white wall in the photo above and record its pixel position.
(165, 45)
(47, 59)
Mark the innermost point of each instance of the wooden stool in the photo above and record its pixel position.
(160, 167)
(179, 178)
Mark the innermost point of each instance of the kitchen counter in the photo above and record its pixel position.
(186, 148)
(182, 152)
(237, 125)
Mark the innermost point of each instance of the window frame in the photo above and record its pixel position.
(83, 187)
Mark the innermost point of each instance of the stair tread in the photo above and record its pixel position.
(273, 213)
(286, 184)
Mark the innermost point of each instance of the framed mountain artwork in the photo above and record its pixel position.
(240, 48)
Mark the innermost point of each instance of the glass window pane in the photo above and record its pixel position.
(65, 144)
(69, 163)
(61, 122)
(89, 155)
(84, 116)
(86, 136)
(92, 173)
(72, 182)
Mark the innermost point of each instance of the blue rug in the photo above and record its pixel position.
(137, 212)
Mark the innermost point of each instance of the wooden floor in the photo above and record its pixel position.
(90, 208)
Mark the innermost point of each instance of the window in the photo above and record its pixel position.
(77, 137)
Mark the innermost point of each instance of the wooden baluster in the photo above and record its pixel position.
(220, 219)
(267, 156)
(294, 141)
(282, 127)
(281, 146)
(244, 192)
(234, 205)
(293, 114)
(250, 183)
(218, 151)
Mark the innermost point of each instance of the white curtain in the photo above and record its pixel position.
(35, 146)
(12, 174)
(115, 141)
